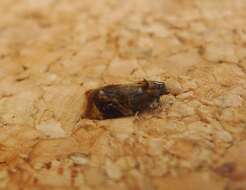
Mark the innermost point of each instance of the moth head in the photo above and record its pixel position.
(155, 88)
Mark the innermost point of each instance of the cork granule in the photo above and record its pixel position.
(52, 52)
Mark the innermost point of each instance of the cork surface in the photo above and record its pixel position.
(52, 51)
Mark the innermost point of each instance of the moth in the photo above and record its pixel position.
(115, 101)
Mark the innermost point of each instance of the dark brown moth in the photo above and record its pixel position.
(114, 101)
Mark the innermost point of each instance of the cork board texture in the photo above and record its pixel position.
(53, 51)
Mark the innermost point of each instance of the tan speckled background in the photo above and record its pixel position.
(52, 51)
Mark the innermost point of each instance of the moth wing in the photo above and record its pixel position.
(111, 107)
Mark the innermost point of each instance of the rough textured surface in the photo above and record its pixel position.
(52, 51)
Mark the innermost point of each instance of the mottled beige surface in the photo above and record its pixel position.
(52, 51)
